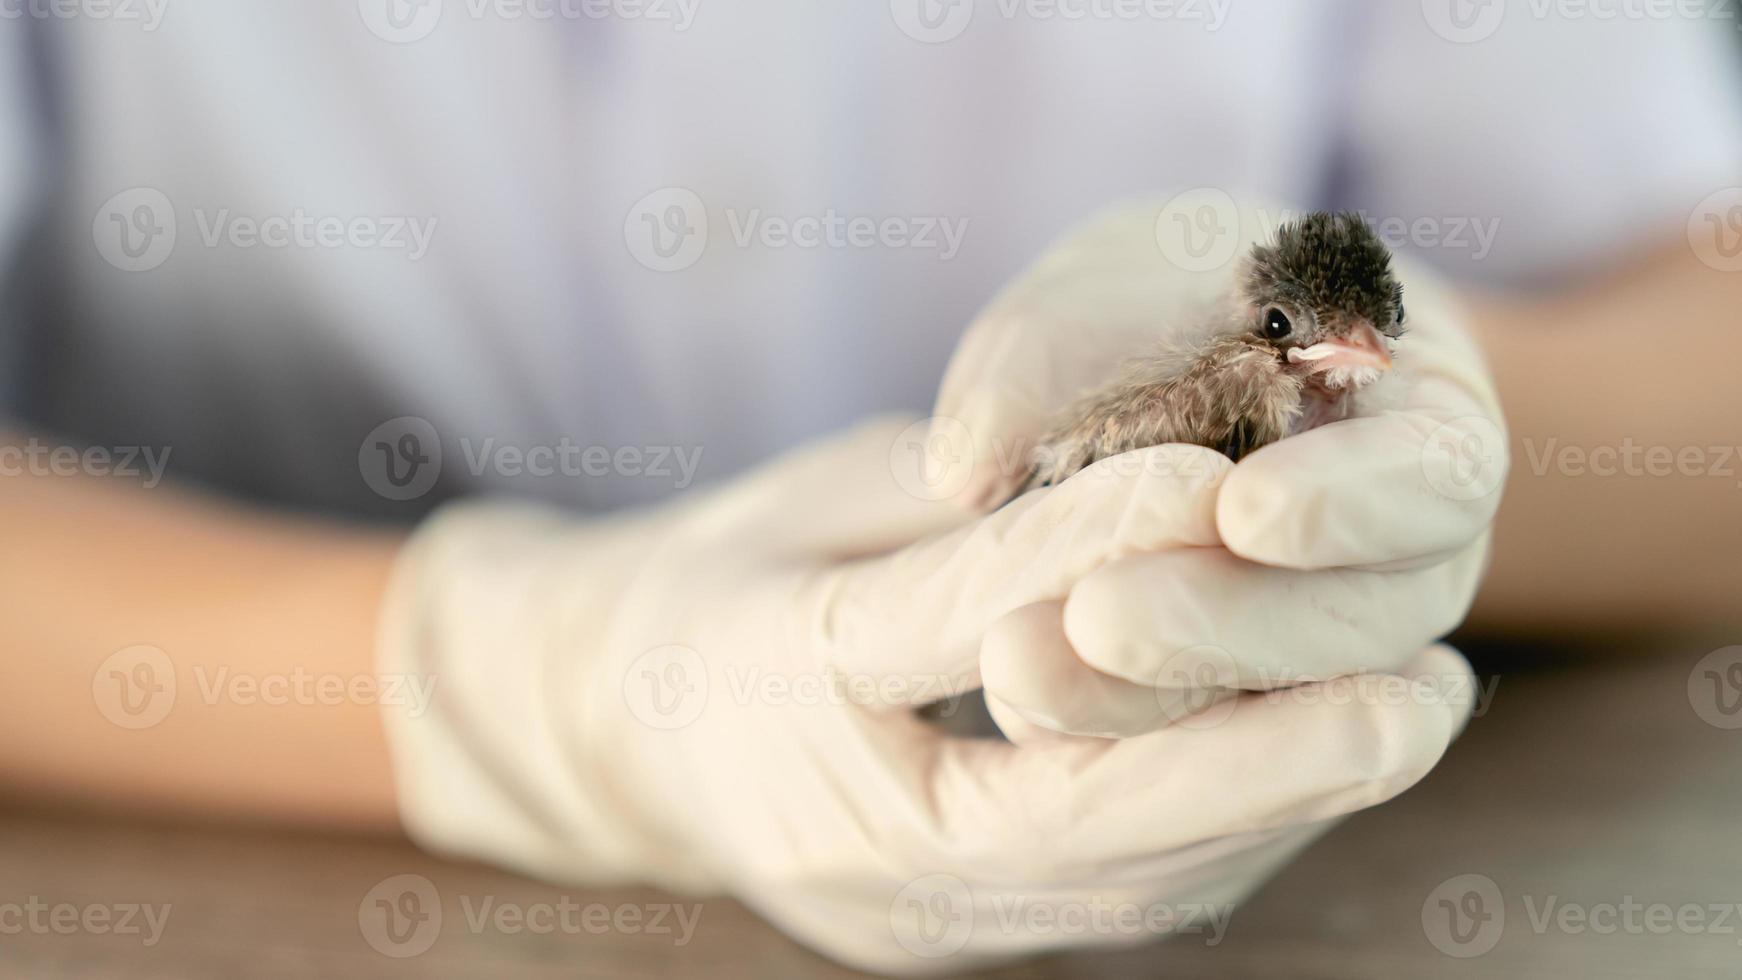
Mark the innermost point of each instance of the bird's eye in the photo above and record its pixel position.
(1276, 324)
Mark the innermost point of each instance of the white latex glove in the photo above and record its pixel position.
(637, 699)
(1342, 550)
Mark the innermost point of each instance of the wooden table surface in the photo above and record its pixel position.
(1597, 789)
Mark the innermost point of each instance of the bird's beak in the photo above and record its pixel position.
(1363, 348)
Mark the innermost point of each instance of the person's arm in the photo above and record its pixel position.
(92, 566)
(1641, 357)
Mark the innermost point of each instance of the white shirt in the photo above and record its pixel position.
(488, 259)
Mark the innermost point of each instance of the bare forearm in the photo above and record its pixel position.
(267, 627)
(1624, 509)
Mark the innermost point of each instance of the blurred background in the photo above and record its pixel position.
(341, 262)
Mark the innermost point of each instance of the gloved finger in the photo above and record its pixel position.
(1018, 729)
(1421, 475)
(1048, 812)
(985, 923)
(859, 492)
(1208, 618)
(921, 611)
(1043, 688)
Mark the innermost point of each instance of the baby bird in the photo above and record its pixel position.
(1310, 321)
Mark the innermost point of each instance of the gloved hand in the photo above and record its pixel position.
(714, 695)
(1342, 550)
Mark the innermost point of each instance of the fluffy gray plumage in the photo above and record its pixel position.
(1237, 389)
(1327, 263)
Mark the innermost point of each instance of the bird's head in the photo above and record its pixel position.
(1325, 297)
